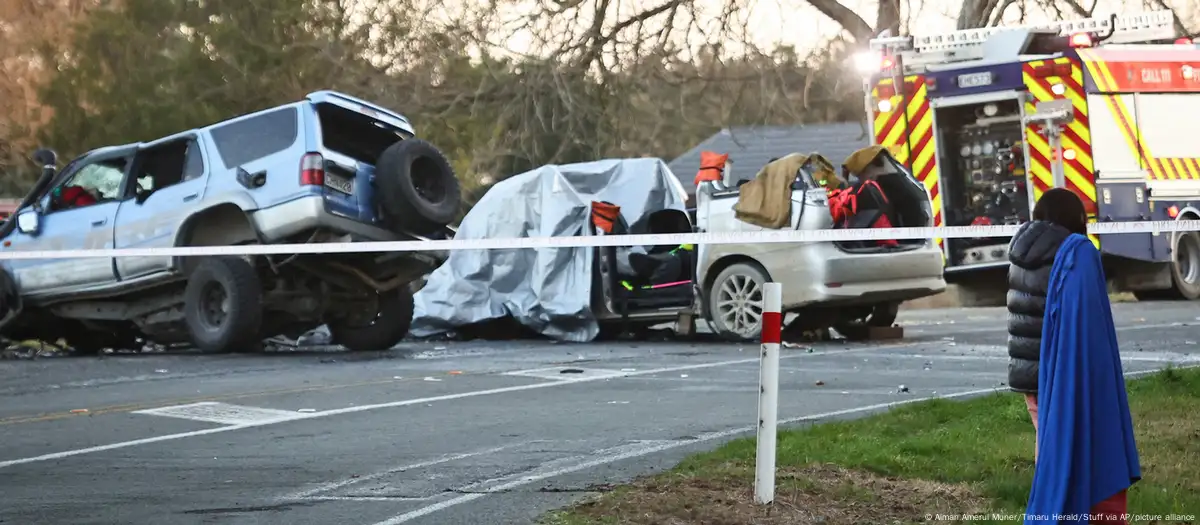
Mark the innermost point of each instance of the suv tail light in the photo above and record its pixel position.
(312, 170)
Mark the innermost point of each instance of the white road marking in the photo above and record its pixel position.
(221, 413)
(332, 486)
(544, 471)
(409, 402)
(645, 450)
(1000, 353)
(574, 373)
(951, 330)
(388, 499)
(655, 447)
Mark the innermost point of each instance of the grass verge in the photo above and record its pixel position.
(943, 457)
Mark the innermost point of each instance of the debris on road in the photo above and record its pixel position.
(570, 371)
(32, 349)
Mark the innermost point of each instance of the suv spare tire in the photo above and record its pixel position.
(222, 305)
(418, 189)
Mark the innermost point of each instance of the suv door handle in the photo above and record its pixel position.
(99, 222)
(191, 197)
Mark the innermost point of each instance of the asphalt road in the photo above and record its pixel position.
(450, 433)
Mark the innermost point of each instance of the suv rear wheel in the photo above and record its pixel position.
(222, 305)
(385, 329)
(418, 189)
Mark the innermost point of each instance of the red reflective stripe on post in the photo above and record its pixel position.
(772, 329)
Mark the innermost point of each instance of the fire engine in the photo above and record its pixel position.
(989, 119)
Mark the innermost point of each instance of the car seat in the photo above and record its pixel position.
(662, 277)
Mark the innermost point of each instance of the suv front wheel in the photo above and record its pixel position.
(382, 329)
(222, 305)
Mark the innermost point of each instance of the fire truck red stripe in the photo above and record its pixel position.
(1166, 167)
(1036, 157)
(920, 114)
(1079, 142)
(893, 118)
(1077, 88)
(1195, 166)
(920, 146)
(926, 170)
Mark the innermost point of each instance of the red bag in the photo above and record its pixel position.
(844, 204)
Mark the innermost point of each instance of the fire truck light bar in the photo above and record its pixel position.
(1079, 40)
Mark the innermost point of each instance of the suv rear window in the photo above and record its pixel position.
(254, 138)
(354, 134)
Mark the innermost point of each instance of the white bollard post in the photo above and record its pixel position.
(768, 394)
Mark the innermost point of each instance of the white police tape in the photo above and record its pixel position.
(671, 239)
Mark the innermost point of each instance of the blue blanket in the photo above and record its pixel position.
(1086, 450)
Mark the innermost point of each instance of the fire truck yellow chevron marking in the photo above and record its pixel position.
(1188, 168)
(1178, 168)
(908, 133)
(1078, 167)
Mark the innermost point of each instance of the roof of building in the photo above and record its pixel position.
(751, 148)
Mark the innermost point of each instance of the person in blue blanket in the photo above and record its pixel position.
(1086, 455)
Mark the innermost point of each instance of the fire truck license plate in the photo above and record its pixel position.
(975, 80)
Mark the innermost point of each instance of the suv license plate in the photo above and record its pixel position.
(341, 184)
(975, 80)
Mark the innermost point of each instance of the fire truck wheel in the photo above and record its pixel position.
(1185, 272)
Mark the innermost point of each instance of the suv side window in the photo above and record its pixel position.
(91, 184)
(193, 166)
(166, 165)
(256, 137)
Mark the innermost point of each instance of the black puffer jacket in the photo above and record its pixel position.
(1032, 256)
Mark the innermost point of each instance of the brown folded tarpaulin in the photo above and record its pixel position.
(767, 200)
(858, 161)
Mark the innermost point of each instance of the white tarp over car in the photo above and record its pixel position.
(546, 290)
